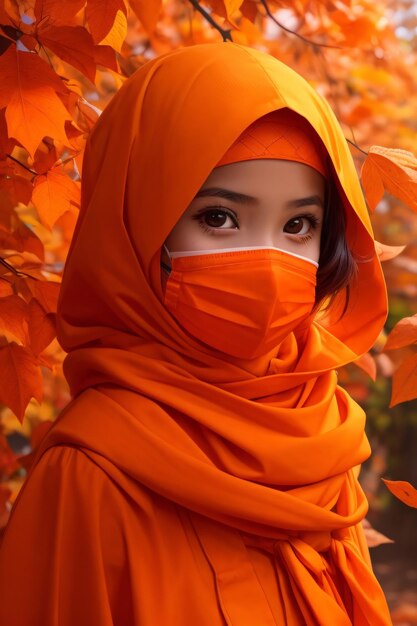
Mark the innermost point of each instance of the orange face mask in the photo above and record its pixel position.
(242, 302)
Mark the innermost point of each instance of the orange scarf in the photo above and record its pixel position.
(269, 446)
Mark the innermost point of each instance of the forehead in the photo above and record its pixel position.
(260, 177)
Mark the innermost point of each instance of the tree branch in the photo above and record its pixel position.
(224, 33)
(293, 32)
(13, 270)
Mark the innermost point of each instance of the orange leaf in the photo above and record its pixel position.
(367, 363)
(28, 91)
(41, 325)
(394, 171)
(403, 334)
(46, 293)
(147, 12)
(16, 189)
(14, 315)
(21, 378)
(403, 491)
(62, 12)
(73, 44)
(54, 193)
(101, 16)
(404, 383)
(231, 7)
(386, 253)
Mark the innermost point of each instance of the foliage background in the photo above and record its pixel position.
(61, 61)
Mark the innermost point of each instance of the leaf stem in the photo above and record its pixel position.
(355, 145)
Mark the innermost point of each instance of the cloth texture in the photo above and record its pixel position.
(285, 136)
(182, 485)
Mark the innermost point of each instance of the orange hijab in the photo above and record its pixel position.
(270, 447)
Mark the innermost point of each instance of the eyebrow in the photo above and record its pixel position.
(243, 198)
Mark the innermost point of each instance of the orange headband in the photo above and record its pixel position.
(280, 134)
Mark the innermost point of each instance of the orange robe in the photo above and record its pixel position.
(181, 487)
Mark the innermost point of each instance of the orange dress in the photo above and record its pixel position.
(181, 487)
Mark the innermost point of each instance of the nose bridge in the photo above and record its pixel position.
(262, 233)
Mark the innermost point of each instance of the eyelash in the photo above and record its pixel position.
(199, 217)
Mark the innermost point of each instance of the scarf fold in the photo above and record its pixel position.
(267, 448)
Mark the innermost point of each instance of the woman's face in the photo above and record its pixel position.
(264, 202)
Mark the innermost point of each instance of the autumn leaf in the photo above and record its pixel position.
(29, 91)
(14, 315)
(404, 385)
(57, 13)
(42, 329)
(367, 363)
(117, 34)
(386, 253)
(391, 170)
(226, 8)
(105, 55)
(53, 194)
(403, 334)
(21, 378)
(101, 16)
(147, 12)
(72, 44)
(47, 293)
(14, 190)
(403, 491)
(249, 9)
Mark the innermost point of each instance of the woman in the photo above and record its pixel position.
(222, 267)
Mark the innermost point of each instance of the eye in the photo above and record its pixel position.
(301, 225)
(216, 218)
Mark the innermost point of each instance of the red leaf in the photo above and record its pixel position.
(403, 491)
(61, 12)
(47, 293)
(14, 315)
(42, 329)
(21, 378)
(73, 44)
(101, 15)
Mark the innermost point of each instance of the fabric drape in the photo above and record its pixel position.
(223, 491)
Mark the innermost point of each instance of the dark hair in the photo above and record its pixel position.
(337, 265)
